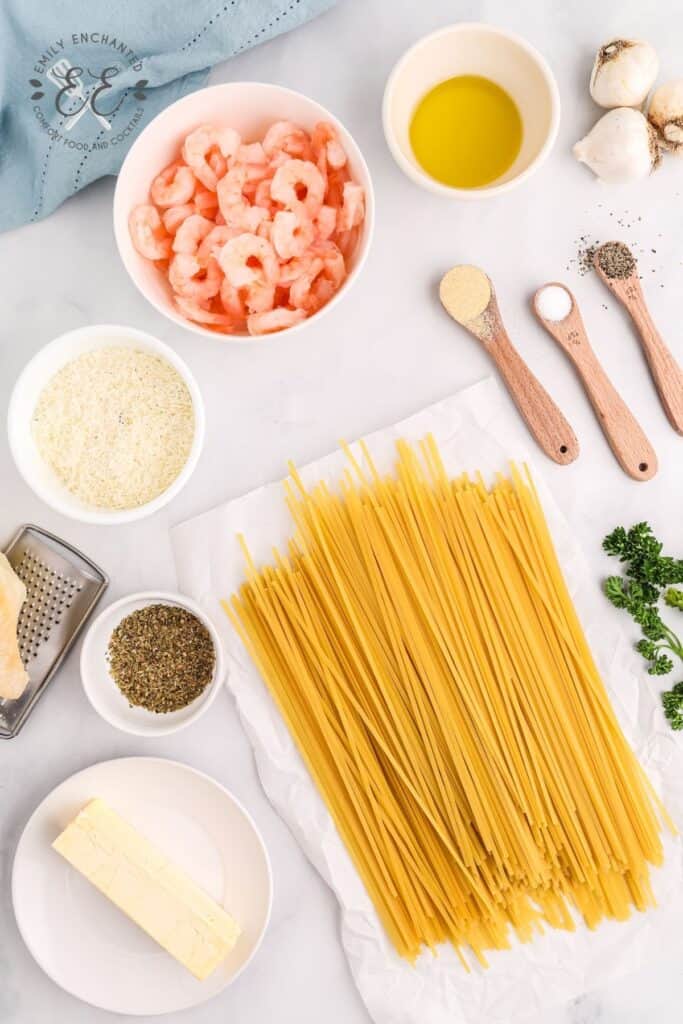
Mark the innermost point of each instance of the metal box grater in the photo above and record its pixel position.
(62, 589)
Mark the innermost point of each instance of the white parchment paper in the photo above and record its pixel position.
(474, 429)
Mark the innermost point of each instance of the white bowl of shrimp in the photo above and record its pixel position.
(243, 210)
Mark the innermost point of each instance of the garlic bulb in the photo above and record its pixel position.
(623, 73)
(621, 147)
(666, 115)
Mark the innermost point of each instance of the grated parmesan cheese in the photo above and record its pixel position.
(116, 425)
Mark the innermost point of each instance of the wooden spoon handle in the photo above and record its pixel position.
(666, 372)
(541, 415)
(626, 438)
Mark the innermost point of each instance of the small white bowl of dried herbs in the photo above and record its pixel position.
(152, 663)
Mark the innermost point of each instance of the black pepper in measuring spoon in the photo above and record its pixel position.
(616, 260)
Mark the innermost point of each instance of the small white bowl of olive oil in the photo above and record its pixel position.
(471, 110)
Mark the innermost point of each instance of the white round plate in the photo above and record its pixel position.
(88, 946)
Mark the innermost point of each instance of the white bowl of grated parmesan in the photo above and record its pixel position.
(106, 424)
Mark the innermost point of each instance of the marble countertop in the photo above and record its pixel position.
(383, 353)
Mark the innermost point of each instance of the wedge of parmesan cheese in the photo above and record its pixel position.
(141, 881)
(116, 425)
(13, 675)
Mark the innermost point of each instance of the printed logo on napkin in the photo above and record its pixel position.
(77, 96)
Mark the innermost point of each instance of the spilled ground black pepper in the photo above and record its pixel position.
(584, 255)
(161, 657)
(586, 245)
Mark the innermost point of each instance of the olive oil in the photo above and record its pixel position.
(466, 132)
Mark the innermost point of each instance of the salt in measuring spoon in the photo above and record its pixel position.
(556, 308)
(616, 266)
(468, 296)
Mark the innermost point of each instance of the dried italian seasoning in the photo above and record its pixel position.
(161, 657)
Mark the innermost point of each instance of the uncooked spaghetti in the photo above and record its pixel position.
(421, 644)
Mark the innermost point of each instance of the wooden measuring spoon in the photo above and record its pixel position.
(541, 415)
(631, 448)
(665, 371)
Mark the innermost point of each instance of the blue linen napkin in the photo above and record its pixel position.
(79, 81)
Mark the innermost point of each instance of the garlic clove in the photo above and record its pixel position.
(623, 73)
(666, 115)
(622, 147)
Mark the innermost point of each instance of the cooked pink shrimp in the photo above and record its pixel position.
(287, 137)
(274, 320)
(191, 232)
(262, 195)
(191, 280)
(251, 153)
(265, 230)
(317, 296)
(257, 172)
(289, 272)
(217, 162)
(326, 222)
(322, 290)
(281, 296)
(259, 297)
(258, 231)
(335, 267)
(327, 148)
(148, 234)
(229, 189)
(175, 185)
(199, 145)
(214, 242)
(277, 160)
(353, 207)
(334, 191)
(196, 312)
(248, 258)
(347, 242)
(175, 215)
(298, 181)
(299, 293)
(249, 191)
(232, 301)
(205, 202)
(292, 233)
(321, 279)
(245, 217)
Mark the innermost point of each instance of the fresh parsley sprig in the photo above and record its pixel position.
(672, 701)
(648, 576)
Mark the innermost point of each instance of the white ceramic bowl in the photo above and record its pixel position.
(104, 694)
(471, 48)
(34, 377)
(249, 107)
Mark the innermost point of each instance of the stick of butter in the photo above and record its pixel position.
(142, 882)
